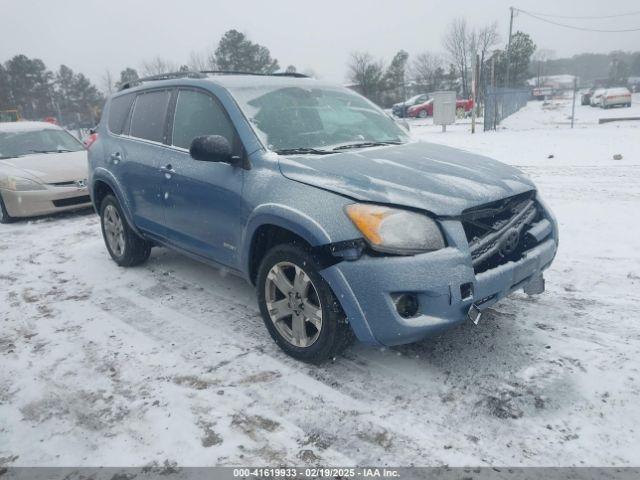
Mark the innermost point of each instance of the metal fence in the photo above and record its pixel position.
(499, 103)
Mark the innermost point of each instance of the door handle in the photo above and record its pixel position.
(167, 169)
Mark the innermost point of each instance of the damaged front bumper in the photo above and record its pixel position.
(444, 283)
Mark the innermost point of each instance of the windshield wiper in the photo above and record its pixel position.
(59, 150)
(302, 151)
(366, 144)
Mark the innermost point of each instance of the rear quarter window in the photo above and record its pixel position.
(149, 115)
(118, 111)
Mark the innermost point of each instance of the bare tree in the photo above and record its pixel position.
(108, 85)
(487, 38)
(158, 66)
(199, 61)
(368, 74)
(456, 43)
(425, 69)
(540, 58)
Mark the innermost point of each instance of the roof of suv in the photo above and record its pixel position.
(227, 79)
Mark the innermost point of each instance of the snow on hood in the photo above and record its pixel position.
(439, 179)
(48, 167)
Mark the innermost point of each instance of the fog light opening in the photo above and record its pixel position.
(407, 305)
(466, 291)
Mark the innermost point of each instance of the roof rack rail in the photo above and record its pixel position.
(239, 72)
(203, 74)
(162, 76)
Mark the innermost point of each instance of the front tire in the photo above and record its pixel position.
(300, 311)
(124, 245)
(423, 114)
(4, 215)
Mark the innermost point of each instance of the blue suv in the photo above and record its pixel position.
(345, 225)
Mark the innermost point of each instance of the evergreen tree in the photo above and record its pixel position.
(236, 52)
(522, 48)
(127, 75)
(30, 86)
(5, 96)
(395, 76)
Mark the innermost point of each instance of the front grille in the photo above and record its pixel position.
(496, 232)
(68, 202)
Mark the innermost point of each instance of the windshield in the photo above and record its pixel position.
(19, 143)
(290, 118)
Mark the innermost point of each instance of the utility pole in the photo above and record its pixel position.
(511, 9)
(491, 98)
(573, 105)
(474, 94)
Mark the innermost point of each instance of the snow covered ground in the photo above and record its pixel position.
(170, 362)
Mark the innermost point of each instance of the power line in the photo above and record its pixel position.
(575, 27)
(586, 17)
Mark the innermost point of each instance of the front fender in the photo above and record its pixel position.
(315, 234)
(285, 217)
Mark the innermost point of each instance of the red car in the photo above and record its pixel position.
(425, 109)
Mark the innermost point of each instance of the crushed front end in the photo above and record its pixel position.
(492, 250)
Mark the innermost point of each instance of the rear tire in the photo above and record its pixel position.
(423, 114)
(4, 215)
(322, 306)
(124, 245)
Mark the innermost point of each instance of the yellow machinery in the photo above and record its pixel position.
(9, 116)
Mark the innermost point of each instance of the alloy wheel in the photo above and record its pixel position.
(293, 304)
(114, 230)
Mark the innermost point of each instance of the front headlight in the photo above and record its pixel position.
(20, 184)
(396, 231)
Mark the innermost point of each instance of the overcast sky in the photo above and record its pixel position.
(92, 36)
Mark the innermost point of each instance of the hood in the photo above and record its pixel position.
(427, 176)
(48, 167)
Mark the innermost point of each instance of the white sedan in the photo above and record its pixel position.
(615, 96)
(43, 169)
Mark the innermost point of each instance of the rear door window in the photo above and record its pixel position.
(149, 115)
(118, 111)
(198, 113)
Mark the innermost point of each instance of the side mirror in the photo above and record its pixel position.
(212, 148)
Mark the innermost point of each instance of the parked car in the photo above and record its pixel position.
(423, 110)
(314, 195)
(400, 109)
(595, 97)
(612, 97)
(541, 93)
(585, 98)
(43, 169)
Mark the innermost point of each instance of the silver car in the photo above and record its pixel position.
(43, 170)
